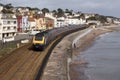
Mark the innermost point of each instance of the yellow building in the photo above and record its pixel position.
(40, 21)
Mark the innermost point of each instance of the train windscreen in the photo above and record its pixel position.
(39, 36)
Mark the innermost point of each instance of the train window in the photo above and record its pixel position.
(39, 36)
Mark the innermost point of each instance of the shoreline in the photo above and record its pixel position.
(84, 42)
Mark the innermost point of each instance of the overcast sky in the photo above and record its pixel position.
(103, 7)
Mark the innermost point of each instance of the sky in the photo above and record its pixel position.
(102, 7)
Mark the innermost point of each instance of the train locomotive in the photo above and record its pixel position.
(42, 39)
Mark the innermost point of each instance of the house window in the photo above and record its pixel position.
(14, 22)
(8, 28)
(4, 28)
(8, 22)
(14, 27)
(3, 35)
(7, 34)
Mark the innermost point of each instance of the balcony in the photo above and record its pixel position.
(9, 31)
(10, 25)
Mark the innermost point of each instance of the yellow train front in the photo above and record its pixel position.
(39, 41)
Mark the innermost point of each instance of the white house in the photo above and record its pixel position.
(8, 27)
(65, 21)
(50, 15)
(116, 21)
(60, 23)
(1, 8)
(73, 21)
(82, 21)
(87, 15)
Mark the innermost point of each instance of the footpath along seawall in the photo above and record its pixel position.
(62, 56)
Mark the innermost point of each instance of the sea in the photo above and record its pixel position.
(101, 58)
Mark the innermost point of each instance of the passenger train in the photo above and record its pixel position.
(42, 39)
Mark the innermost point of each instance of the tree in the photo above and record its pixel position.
(45, 10)
(8, 8)
(1, 4)
(60, 12)
(29, 8)
(98, 17)
(82, 16)
(69, 11)
(54, 13)
(102, 19)
(92, 18)
(79, 12)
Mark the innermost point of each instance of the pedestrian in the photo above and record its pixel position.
(74, 45)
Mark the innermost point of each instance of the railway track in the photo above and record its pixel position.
(22, 64)
(25, 63)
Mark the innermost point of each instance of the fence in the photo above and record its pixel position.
(7, 46)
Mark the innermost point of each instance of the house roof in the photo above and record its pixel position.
(39, 16)
(48, 18)
(42, 15)
(31, 19)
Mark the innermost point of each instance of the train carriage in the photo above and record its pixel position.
(42, 39)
